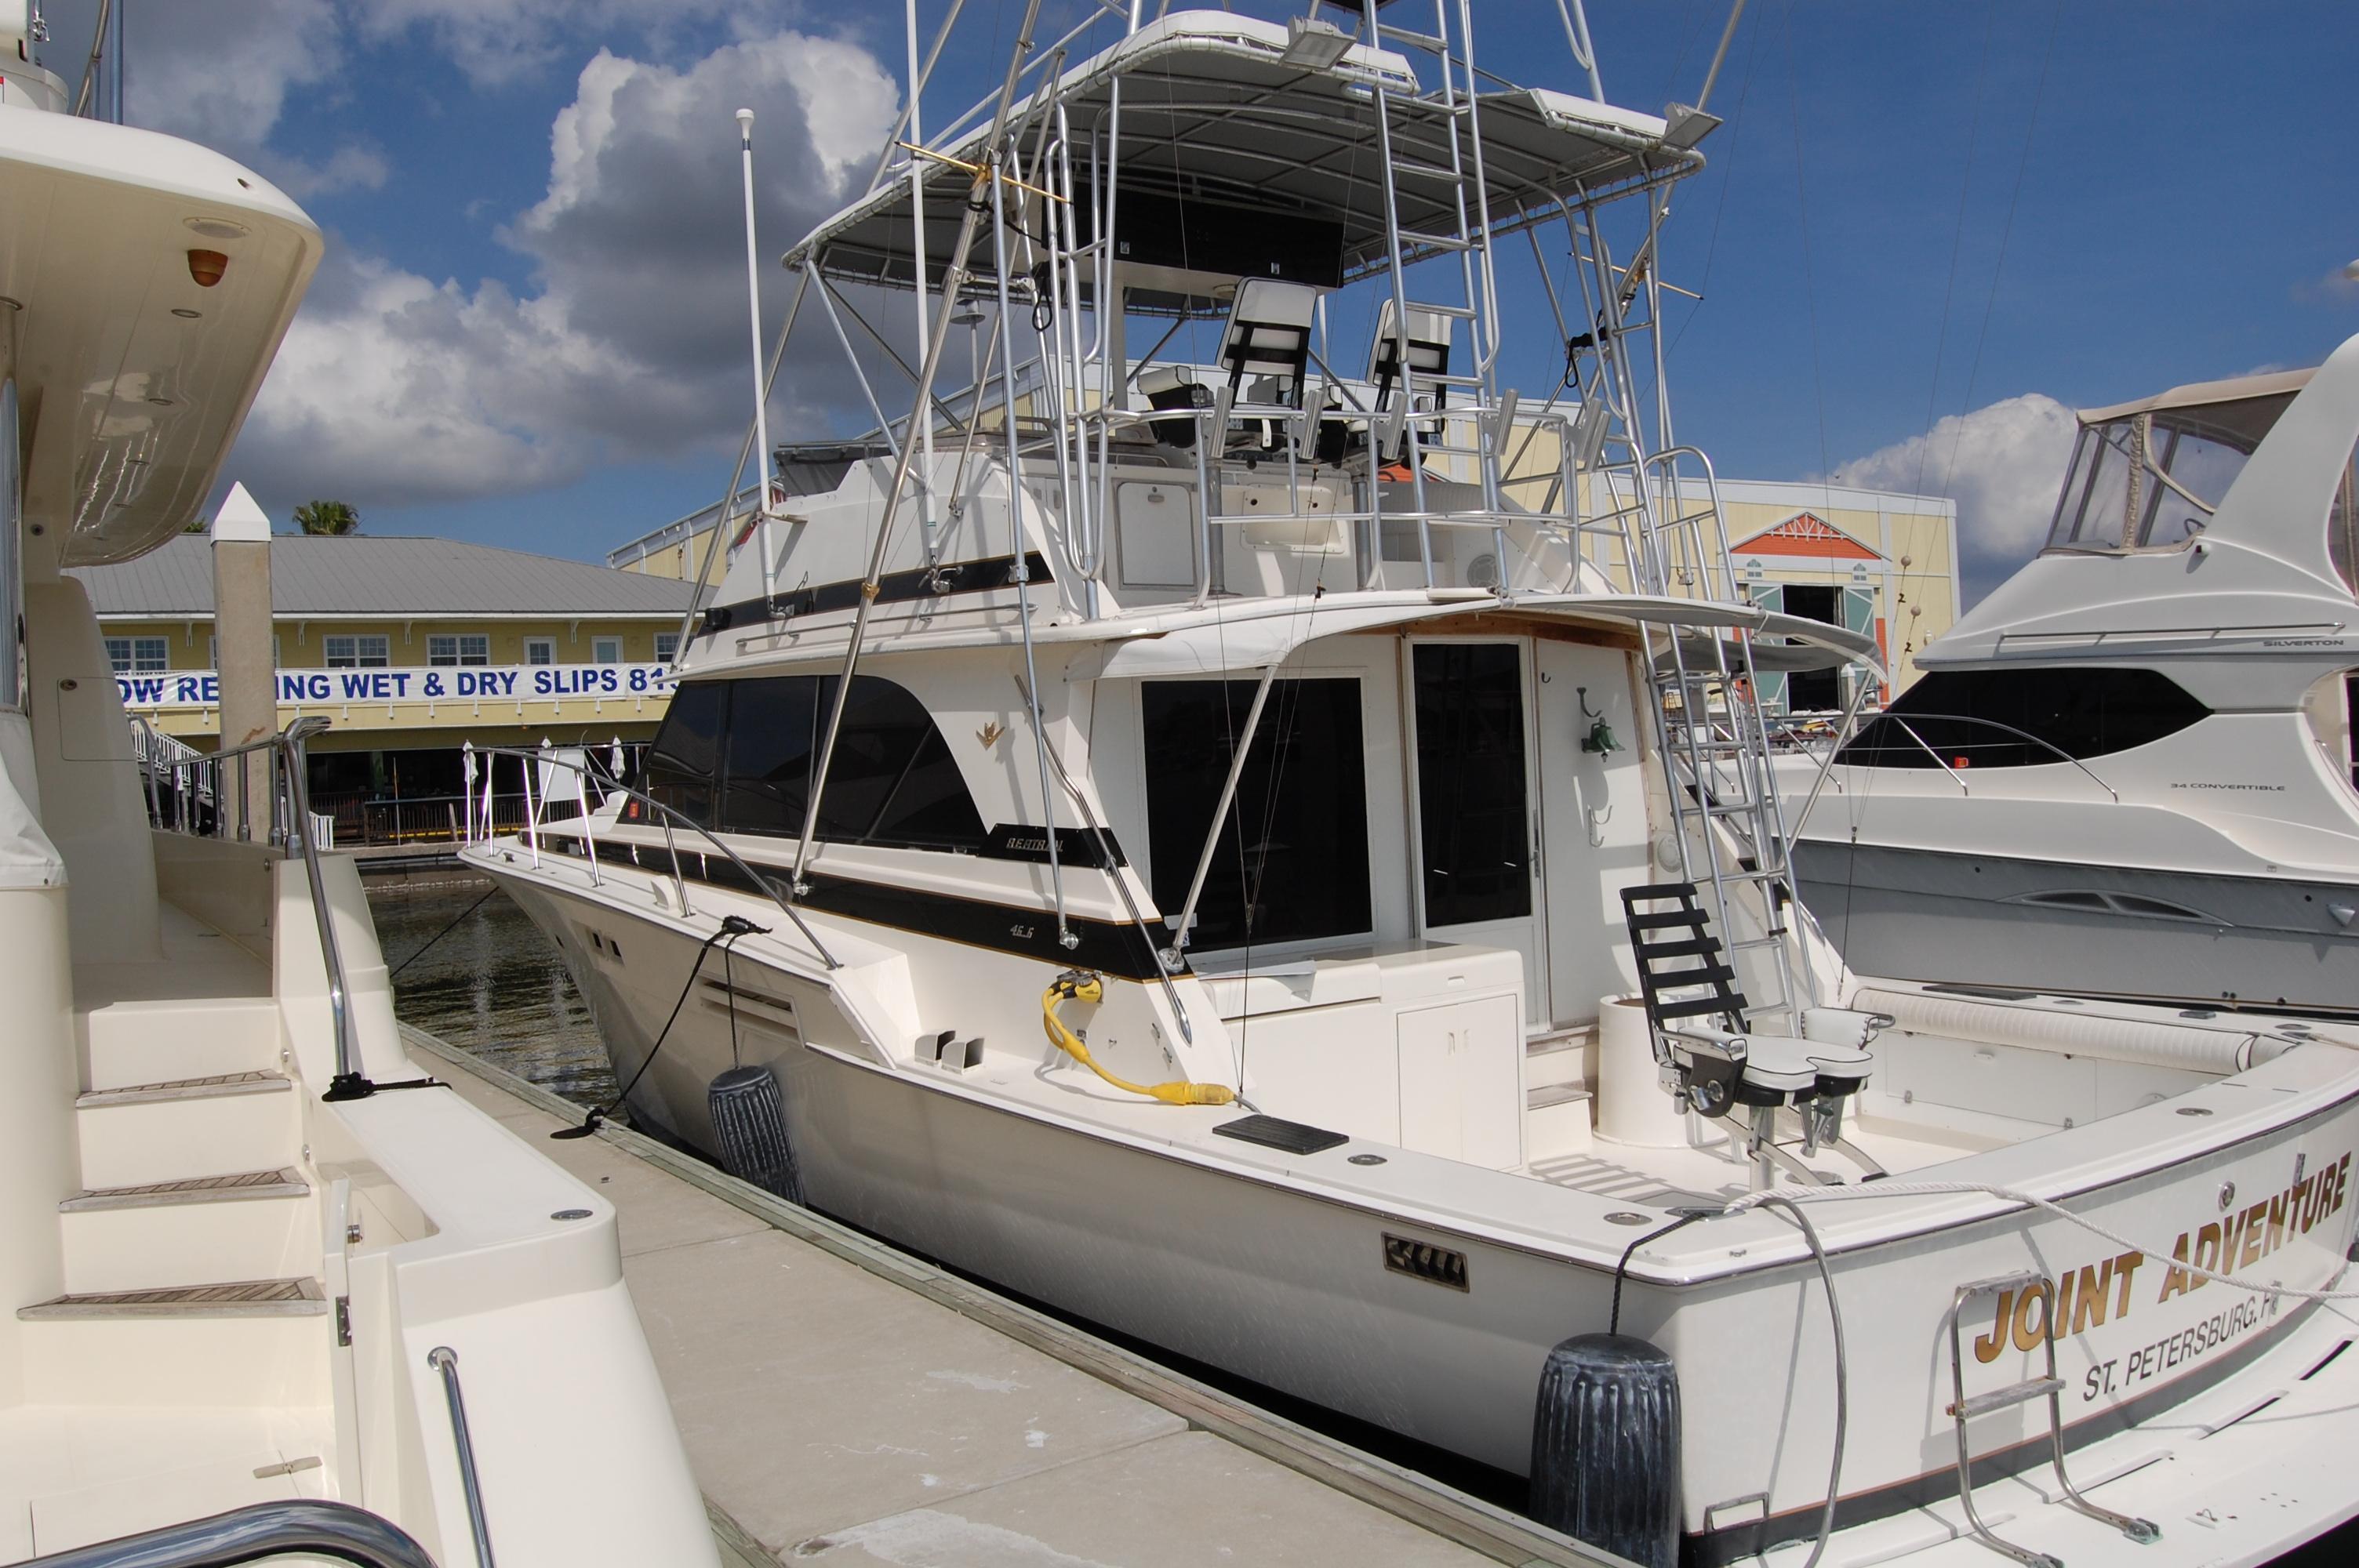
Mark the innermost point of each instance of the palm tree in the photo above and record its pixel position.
(331, 517)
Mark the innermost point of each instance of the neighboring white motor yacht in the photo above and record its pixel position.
(2130, 771)
(1140, 847)
(268, 1293)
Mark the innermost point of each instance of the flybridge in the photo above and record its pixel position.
(201, 688)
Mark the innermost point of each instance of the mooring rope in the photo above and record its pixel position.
(2029, 1200)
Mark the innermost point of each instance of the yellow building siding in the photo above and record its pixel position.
(443, 718)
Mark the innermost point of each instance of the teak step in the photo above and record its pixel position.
(244, 1298)
(219, 1086)
(245, 1186)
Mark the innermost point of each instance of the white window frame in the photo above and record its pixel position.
(453, 650)
(667, 647)
(541, 650)
(369, 651)
(599, 650)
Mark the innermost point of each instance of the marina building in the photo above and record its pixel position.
(411, 647)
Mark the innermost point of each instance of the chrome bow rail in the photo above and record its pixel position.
(587, 775)
(335, 1530)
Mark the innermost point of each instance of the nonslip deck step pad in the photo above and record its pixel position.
(245, 1186)
(219, 1086)
(244, 1298)
(1546, 1094)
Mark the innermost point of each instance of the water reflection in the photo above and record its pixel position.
(494, 985)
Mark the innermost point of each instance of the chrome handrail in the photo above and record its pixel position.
(445, 1360)
(293, 830)
(311, 1526)
(2061, 754)
(349, 1082)
(589, 767)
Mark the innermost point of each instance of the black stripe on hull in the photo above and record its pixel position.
(1115, 947)
(894, 588)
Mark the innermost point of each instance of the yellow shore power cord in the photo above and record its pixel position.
(1075, 985)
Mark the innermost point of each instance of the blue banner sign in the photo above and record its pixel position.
(411, 684)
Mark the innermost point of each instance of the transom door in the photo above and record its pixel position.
(1474, 833)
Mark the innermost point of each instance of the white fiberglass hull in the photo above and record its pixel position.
(1246, 1263)
(2084, 929)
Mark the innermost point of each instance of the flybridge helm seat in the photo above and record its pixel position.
(1268, 337)
(1428, 340)
(1710, 1059)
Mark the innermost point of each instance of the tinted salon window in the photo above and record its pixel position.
(1292, 859)
(684, 763)
(2022, 718)
(892, 781)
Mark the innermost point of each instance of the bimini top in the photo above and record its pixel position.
(2206, 393)
(1224, 140)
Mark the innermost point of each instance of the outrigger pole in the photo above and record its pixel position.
(955, 273)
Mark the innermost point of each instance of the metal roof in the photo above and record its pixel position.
(367, 575)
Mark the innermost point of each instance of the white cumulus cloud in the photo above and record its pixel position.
(2002, 463)
(394, 388)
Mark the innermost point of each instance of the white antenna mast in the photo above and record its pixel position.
(761, 403)
(921, 421)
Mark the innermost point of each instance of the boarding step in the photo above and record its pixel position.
(2000, 1399)
(250, 1344)
(242, 1186)
(132, 1043)
(216, 1086)
(1963, 1407)
(208, 1231)
(143, 1134)
(235, 1298)
(1561, 1057)
(1557, 1121)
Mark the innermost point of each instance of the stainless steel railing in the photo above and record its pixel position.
(192, 792)
(445, 1360)
(587, 770)
(316, 1528)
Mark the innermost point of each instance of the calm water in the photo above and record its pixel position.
(493, 985)
(496, 986)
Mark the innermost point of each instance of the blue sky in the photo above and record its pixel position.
(530, 329)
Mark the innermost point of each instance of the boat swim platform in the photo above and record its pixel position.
(845, 1402)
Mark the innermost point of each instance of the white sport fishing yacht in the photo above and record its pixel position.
(1138, 837)
(2130, 771)
(267, 1293)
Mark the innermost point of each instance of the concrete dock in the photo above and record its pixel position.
(843, 1402)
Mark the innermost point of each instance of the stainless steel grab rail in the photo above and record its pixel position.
(445, 1360)
(318, 1529)
(589, 769)
(199, 778)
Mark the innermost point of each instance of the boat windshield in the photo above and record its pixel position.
(2151, 481)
